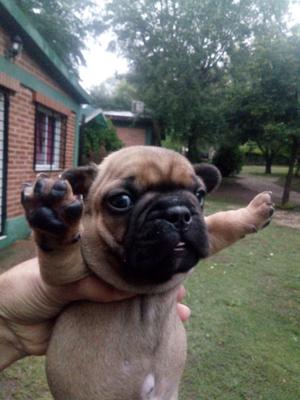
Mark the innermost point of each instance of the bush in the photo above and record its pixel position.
(98, 142)
(229, 160)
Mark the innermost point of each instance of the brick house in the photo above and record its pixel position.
(40, 105)
(130, 129)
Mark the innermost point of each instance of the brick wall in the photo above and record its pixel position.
(21, 147)
(21, 121)
(131, 136)
(28, 64)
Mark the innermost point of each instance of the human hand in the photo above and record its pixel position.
(29, 307)
(183, 311)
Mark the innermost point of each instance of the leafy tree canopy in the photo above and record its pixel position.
(265, 100)
(186, 54)
(179, 50)
(264, 105)
(65, 25)
(114, 94)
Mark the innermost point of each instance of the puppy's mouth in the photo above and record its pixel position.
(167, 240)
(156, 261)
(180, 249)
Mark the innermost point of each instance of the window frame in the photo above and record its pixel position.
(58, 147)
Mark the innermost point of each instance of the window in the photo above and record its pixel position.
(50, 140)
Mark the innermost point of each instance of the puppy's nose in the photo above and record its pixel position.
(179, 216)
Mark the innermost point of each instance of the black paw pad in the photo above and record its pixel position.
(58, 191)
(40, 187)
(73, 211)
(46, 219)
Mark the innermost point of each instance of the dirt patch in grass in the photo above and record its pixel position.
(241, 189)
(237, 191)
(287, 218)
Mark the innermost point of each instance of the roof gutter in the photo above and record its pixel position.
(36, 45)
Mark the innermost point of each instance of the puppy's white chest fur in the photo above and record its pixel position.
(148, 388)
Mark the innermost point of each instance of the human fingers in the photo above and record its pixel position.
(183, 311)
(181, 293)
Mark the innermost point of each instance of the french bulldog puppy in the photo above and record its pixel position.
(141, 228)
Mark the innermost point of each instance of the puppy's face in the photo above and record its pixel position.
(144, 214)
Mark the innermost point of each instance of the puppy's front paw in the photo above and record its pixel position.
(260, 210)
(52, 211)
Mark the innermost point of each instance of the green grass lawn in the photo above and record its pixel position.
(277, 170)
(244, 332)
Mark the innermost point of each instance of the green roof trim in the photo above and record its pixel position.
(29, 80)
(38, 47)
(100, 119)
(91, 113)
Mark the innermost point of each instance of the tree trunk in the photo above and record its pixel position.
(269, 162)
(156, 141)
(289, 177)
(297, 173)
(192, 153)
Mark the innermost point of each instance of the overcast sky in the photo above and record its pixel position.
(102, 64)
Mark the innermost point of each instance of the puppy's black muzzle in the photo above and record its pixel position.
(179, 216)
(167, 235)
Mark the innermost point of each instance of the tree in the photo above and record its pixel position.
(264, 99)
(228, 159)
(178, 51)
(113, 94)
(65, 25)
(265, 106)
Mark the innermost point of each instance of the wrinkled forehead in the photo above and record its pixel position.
(147, 167)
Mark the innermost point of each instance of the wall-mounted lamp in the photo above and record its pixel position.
(15, 49)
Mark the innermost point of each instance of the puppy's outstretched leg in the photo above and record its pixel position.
(54, 213)
(226, 227)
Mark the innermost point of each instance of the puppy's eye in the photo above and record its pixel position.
(200, 194)
(120, 202)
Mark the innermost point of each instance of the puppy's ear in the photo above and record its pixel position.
(81, 178)
(210, 175)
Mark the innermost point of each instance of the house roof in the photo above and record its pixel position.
(97, 114)
(127, 116)
(14, 20)
(90, 113)
(120, 114)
